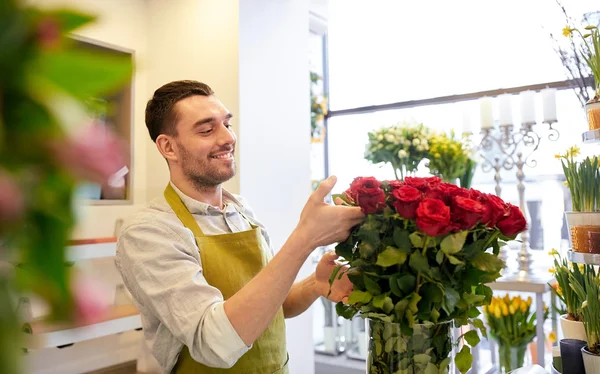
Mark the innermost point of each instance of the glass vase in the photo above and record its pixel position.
(511, 357)
(425, 349)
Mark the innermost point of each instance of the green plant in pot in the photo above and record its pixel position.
(583, 181)
(588, 290)
(419, 264)
(565, 272)
(590, 53)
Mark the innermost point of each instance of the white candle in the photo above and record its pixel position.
(505, 117)
(527, 107)
(487, 118)
(549, 101)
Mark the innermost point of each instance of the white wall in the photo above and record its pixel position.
(198, 40)
(274, 132)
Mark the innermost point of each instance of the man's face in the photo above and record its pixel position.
(205, 140)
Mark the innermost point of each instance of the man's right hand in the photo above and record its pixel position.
(324, 224)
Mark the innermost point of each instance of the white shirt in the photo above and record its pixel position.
(160, 264)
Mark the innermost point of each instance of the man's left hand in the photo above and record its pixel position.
(341, 288)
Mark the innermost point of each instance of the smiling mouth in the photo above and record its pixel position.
(224, 156)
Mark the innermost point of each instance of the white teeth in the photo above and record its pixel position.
(224, 156)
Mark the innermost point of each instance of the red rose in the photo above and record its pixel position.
(497, 209)
(395, 184)
(513, 223)
(466, 213)
(433, 217)
(406, 201)
(367, 193)
(422, 184)
(445, 192)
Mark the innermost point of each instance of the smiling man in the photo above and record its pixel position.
(197, 261)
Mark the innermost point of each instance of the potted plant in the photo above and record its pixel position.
(419, 264)
(512, 323)
(403, 146)
(588, 290)
(570, 322)
(590, 53)
(449, 158)
(583, 180)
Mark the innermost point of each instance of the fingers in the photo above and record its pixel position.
(330, 257)
(338, 201)
(325, 188)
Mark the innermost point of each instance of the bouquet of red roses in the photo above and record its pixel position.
(419, 262)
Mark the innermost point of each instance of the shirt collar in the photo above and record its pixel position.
(199, 207)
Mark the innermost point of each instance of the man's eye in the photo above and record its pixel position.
(206, 131)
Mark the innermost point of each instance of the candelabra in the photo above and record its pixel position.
(516, 147)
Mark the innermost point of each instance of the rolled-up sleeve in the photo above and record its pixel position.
(164, 275)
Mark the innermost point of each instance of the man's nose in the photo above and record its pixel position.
(226, 135)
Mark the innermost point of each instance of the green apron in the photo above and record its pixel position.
(229, 262)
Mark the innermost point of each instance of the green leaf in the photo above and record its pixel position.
(454, 261)
(378, 316)
(419, 262)
(390, 344)
(453, 243)
(70, 20)
(407, 283)
(346, 311)
(393, 281)
(358, 296)
(472, 299)
(391, 256)
(366, 250)
(371, 286)
(439, 257)
(464, 359)
(402, 240)
(478, 323)
(444, 365)
(488, 262)
(412, 305)
(384, 303)
(422, 358)
(472, 338)
(400, 308)
(83, 73)
(416, 240)
(451, 298)
(435, 315)
(431, 369)
(473, 312)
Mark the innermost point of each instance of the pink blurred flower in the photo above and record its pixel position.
(93, 155)
(11, 199)
(90, 300)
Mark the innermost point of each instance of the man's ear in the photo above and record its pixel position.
(166, 146)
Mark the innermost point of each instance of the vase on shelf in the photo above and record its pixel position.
(592, 110)
(427, 349)
(510, 357)
(584, 231)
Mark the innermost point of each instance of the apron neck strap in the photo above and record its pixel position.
(182, 211)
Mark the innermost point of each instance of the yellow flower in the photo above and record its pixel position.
(574, 151)
(529, 301)
(552, 271)
(512, 309)
(504, 310)
(557, 156)
(523, 306)
(506, 299)
(497, 313)
(553, 252)
(566, 31)
(552, 337)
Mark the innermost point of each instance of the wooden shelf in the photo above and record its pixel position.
(121, 318)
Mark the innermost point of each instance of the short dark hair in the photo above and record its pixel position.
(160, 112)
